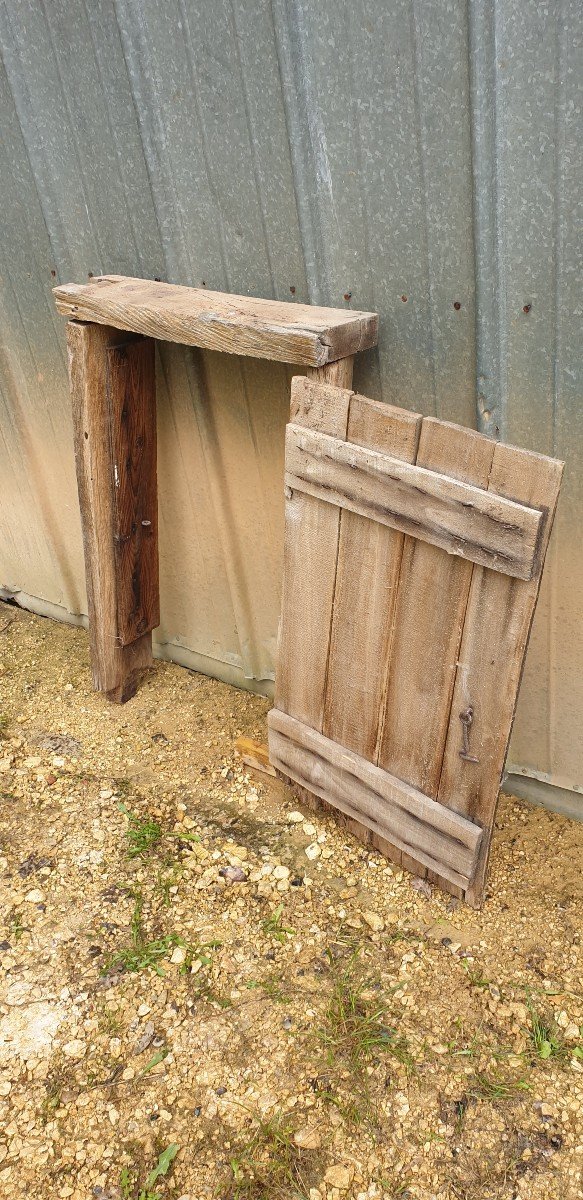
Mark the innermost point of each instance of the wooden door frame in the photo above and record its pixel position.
(113, 322)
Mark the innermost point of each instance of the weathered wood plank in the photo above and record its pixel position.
(318, 406)
(434, 667)
(272, 329)
(334, 374)
(429, 618)
(309, 571)
(439, 839)
(369, 558)
(116, 669)
(131, 391)
(496, 629)
(433, 590)
(459, 518)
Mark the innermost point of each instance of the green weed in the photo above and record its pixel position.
(355, 1023)
(109, 1022)
(545, 1036)
(274, 927)
(127, 1183)
(165, 882)
(270, 987)
(475, 975)
(17, 928)
(128, 1179)
(165, 1160)
(356, 1036)
(145, 834)
(495, 1088)
(142, 835)
(59, 1080)
(157, 1058)
(51, 1102)
(270, 1164)
(143, 953)
(199, 952)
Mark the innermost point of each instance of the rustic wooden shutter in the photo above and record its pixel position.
(413, 555)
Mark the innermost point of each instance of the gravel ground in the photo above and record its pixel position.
(205, 992)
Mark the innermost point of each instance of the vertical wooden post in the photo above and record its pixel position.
(338, 373)
(114, 418)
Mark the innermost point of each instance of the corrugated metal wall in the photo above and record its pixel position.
(417, 157)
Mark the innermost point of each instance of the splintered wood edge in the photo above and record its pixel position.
(306, 335)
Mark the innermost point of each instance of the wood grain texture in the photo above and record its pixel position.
(335, 374)
(464, 520)
(458, 631)
(317, 406)
(369, 558)
(431, 605)
(429, 618)
(438, 838)
(131, 391)
(309, 570)
(116, 669)
(496, 630)
(254, 754)
(294, 333)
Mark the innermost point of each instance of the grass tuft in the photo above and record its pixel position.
(274, 927)
(356, 1035)
(496, 1088)
(271, 988)
(545, 1036)
(143, 953)
(269, 1164)
(142, 835)
(355, 1024)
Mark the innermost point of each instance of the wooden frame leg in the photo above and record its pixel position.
(114, 418)
(339, 373)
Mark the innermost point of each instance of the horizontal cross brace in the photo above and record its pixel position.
(462, 519)
(440, 839)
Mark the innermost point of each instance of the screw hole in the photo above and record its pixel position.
(292, 290)
(348, 295)
(526, 308)
(457, 305)
(404, 299)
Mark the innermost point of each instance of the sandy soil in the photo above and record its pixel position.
(304, 1024)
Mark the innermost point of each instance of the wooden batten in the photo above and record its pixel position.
(459, 518)
(439, 838)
